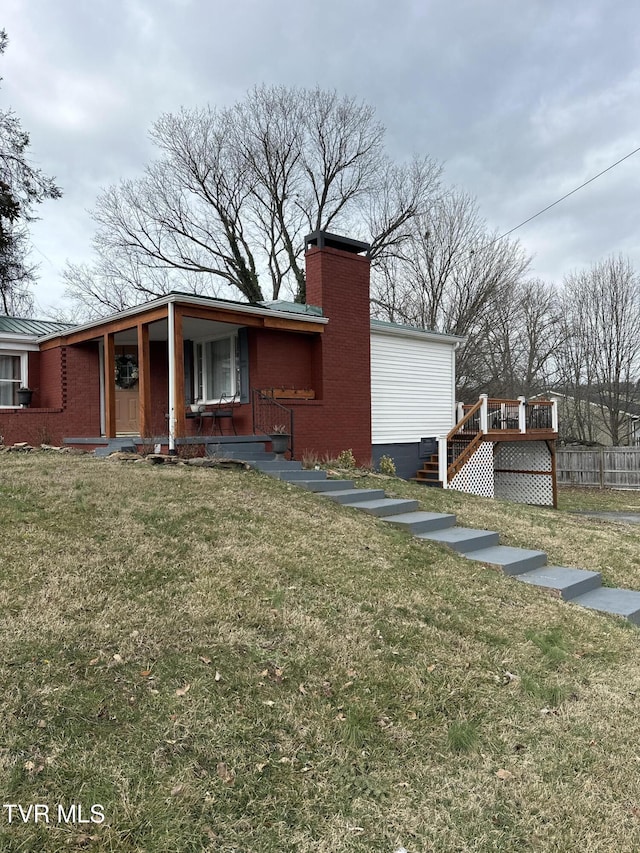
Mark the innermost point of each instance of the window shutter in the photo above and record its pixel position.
(188, 372)
(243, 347)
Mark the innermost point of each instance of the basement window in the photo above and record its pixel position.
(217, 369)
(13, 374)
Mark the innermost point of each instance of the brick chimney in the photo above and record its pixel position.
(338, 282)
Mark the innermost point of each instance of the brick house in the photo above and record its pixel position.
(327, 373)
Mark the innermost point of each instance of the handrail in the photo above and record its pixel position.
(475, 408)
(496, 416)
(269, 416)
(459, 461)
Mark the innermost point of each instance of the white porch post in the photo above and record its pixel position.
(554, 415)
(442, 460)
(522, 414)
(484, 415)
(459, 412)
(172, 379)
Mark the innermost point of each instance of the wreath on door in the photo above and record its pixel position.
(126, 371)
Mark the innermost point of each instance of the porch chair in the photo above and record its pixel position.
(224, 409)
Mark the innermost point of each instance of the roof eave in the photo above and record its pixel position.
(419, 334)
(207, 302)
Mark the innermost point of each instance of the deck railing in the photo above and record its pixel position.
(463, 439)
(492, 417)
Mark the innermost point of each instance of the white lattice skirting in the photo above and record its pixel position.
(520, 472)
(476, 475)
(523, 472)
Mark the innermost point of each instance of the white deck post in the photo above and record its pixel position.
(172, 379)
(554, 415)
(442, 460)
(459, 412)
(484, 416)
(522, 414)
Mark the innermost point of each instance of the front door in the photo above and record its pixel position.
(126, 390)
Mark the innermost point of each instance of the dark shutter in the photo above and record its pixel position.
(243, 351)
(188, 372)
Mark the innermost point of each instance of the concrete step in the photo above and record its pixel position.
(274, 464)
(565, 582)
(229, 452)
(324, 485)
(352, 496)
(238, 450)
(117, 445)
(620, 602)
(512, 561)
(383, 507)
(294, 474)
(421, 522)
(462, 539)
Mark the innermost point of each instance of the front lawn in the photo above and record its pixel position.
(224, 662)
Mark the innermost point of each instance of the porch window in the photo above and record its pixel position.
(13, 374)
(216, 369)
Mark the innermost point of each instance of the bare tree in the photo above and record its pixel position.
(520, 337)
(449, 277)
(21, 187)
(601, 355)
(235, 191)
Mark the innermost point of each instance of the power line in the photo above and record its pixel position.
(549, 206)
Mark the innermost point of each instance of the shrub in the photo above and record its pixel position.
(387, 466)
(346, 459)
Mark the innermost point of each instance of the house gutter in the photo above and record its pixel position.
(418, 334)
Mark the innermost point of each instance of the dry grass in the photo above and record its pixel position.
(569, 539)
(349, 689)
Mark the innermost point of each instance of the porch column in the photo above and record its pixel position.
(144, 381)
(109, 385)
(177, 420)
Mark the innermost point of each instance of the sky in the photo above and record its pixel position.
(520, 101)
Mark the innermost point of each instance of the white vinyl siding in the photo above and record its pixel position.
(412, 387)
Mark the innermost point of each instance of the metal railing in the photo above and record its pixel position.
(489, 417)
(271, 417)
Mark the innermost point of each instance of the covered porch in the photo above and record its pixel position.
(186, 369)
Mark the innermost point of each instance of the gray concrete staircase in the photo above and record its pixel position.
(577, 586)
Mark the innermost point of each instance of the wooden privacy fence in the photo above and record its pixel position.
(613, 467)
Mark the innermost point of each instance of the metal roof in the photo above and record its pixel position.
(293, 307)
(403, 327)
(34, 328)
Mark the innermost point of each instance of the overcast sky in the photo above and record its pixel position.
(522, 100)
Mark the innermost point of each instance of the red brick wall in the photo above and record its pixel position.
(338, 282)
(66, 402)
(280, 359)
(81, 390)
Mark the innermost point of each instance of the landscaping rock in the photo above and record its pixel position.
(20, 447)
(123, 456)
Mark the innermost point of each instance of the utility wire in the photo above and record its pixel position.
(549, 206)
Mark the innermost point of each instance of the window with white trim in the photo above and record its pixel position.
(217, 369)
(13, 375)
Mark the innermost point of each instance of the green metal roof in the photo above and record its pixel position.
(292, 307)
(33, 328)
